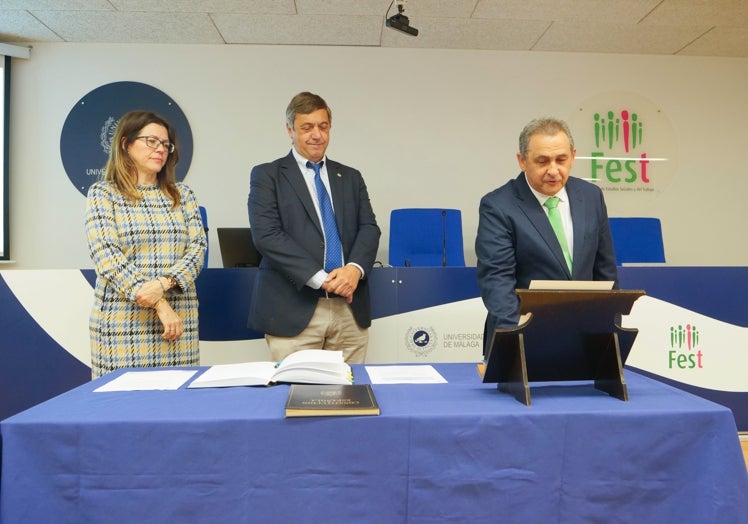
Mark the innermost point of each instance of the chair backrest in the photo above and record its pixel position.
(637, 239)
(426, 237)
(204, 217)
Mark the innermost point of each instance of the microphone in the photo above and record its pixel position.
(444, 238)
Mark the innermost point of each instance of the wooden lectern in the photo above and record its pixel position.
(569, 335)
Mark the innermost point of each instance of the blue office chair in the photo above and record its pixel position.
(426, 237)
(204, 217)
(637, 239)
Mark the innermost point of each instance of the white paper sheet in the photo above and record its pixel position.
(404, 375)
(147, 380)
(572, 285)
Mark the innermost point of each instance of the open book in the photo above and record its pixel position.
(308, 366)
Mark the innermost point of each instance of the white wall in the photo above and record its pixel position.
(428, 128)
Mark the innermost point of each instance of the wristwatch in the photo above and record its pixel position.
(172, 281)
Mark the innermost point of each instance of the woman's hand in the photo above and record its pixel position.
(150, 293)
(173, 325)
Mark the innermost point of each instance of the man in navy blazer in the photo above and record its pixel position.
(296, 302)
(516, 242)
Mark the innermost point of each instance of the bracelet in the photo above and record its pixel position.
(163, 289)
(172, 281)
(162, 299)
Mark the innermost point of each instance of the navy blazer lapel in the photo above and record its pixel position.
(289, 169)
(336, 178)
(535, 213)
(578, 218)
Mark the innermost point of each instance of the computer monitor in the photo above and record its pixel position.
(237, 247)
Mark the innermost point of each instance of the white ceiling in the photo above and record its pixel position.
(660, 27)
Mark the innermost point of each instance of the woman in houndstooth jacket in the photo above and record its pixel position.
(147, 242)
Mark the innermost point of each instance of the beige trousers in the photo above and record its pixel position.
(332, 327)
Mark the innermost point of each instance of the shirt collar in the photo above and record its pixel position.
(562, 195)
(301, 161)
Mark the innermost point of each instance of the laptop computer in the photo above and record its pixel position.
(237, 247)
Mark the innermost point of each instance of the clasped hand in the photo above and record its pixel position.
(173, 325)
(343, 281)
(149, 295)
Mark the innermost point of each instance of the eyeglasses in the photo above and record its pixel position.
(153, 143)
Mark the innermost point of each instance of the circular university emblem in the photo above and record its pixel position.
(89, 127)
(420, 340)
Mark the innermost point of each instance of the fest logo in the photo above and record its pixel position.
(624, 143)
(684, 352)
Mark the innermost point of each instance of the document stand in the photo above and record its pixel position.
(569, 335)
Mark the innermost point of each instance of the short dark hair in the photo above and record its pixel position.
(303, 104)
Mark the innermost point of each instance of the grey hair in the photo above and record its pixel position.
(546, 126)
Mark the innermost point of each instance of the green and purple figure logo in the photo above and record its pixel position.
(611, 129)
(619, 131)
(683, 341)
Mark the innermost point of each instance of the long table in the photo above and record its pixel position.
(44, 328)
(455, 452)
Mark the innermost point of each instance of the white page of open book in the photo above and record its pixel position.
(237, 374)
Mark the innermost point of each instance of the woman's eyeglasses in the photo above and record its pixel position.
(153, 143)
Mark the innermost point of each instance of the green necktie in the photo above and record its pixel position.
(555, 217)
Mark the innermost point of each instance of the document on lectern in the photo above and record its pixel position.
(571, 285)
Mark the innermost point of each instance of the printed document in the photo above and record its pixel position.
(146, 380)
(421, 374)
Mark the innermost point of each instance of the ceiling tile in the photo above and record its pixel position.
(266, 7)
(700, 12)
(343, 7)
(616, 38)
(454, 33)
(20, 26)
(628, 11)
(57, 5)
(438, 8)
(720, 41)
(300, 29)
(130, 27)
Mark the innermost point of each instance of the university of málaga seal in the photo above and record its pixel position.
(420, 340)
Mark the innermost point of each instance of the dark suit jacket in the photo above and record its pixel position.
(516, 244)
(287, 232)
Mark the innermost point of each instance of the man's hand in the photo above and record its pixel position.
(343, 281)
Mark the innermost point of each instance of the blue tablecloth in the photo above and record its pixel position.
(455, 452)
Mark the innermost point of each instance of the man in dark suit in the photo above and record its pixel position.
(516, 242)
(311, 290)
